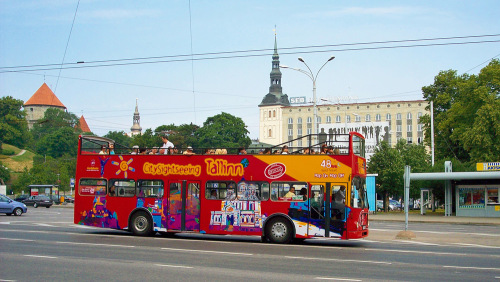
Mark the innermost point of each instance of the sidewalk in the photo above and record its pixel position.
(434, 218)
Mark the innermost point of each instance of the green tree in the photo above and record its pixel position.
(53, 120)
(63, 141)
(13, 124)
(388, 163)
(223, 131)
(466, 114)
(4, 174)
(119, 137)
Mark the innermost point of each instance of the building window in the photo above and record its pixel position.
(398, 116)
(309, 119)
(290, 120)
(274, 113)
(328, 119)
(398, 128)
(408, 128)
(270, 133)
(299, 120)
(388, 117)
(358, 118)
(299, 132)
(408, 116)
(378, 117)
(367, 117)
(409, 140)
(290, 132)
(348, 118)
(318, 119)
(309, 131)
(419, 127)
(337, 119)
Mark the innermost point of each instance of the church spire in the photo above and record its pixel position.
(136, 127)
(275, 95)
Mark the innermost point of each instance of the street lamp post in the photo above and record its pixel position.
(313, 77)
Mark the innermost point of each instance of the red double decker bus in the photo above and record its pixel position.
(280, 197)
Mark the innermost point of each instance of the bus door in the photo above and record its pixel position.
(325, 211)
(338, 212)
(184, 206)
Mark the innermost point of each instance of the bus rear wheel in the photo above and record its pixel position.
(141, 224)
(279, 231)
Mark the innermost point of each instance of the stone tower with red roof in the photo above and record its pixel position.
(42, 100)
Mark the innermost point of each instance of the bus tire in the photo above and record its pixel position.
(141, 224)
(279, 231)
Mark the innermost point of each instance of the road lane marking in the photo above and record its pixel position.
(337, 279)
(95, 244)
(204, 251)
(44, 224)
(475, 245)
(471, 267)
(15, 239)
(417, 252)
(438, 232)
(6, 223)
(35, 256)
(175, 266)
(340, 260)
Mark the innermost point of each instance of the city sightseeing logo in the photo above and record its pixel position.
(124, 166)
(275, 170)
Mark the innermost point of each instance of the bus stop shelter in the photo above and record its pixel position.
(448, 176)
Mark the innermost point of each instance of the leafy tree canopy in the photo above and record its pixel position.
(13, 124)
(60, 142)
(466, 114)
(119, 137)
(223, 131)
(52, 120)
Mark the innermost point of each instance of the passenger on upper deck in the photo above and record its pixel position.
(103, 151)
(242, 151)
(166, 144)
(284, 150)
(306, 151)
(154, 151)
(324, 149)
(111, 149)
(189, 151)
(135, 150)
(267, 151)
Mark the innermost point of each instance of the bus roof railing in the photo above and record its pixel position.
(314, 142)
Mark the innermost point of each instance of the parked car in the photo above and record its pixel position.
(394, 205)
(56, 199)
(69, 199)
(11, 207)
(40, 200)
(22, 197)
(380, 205)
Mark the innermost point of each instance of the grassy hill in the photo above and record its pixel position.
(17, 162)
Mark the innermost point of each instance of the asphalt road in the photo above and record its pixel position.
(44, 245)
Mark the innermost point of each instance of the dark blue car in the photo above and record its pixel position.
(11, 207)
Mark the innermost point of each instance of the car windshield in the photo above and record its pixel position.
(43, 198)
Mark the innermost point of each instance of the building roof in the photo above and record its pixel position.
(44, 97)
(83, 125)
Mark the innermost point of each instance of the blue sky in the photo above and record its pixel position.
(185, 91)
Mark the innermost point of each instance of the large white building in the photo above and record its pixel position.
(283, 122)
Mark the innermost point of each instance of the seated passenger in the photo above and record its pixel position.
(213, 194)
(284, 150)
(242, 151)
(303, 193)
(306, 151)
(135, 150)
(189, 151)
(103, 151)
(291, 193)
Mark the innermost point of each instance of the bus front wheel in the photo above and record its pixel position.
(279, 231)
(141, 224)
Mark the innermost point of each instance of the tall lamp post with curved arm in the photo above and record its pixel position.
(313, 77)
